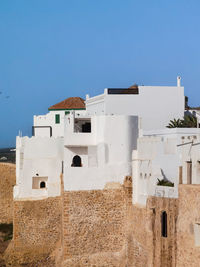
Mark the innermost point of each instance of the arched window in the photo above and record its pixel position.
(164, 224)
(76, 161)
(42, 185)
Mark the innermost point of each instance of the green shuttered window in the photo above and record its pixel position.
(57, 118)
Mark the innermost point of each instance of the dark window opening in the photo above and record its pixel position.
(76, 161)
(164, 224)
(42, 185)
(86, 127)
(123, 91)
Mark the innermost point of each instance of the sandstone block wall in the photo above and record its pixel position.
(37, 230)
(94, 228)
(7, 181)
(189, 213)
(146, 246)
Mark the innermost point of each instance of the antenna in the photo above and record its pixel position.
(178, 81)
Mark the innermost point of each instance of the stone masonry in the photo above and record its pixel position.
(7, 181)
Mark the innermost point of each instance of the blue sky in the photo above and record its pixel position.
(53, 49)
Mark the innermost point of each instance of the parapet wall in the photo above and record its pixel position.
(7, 181)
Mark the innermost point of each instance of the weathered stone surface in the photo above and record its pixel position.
(37, 231)
(146, 246)
(94, 227)
(7, 181)
(189, 214)
(100, 228)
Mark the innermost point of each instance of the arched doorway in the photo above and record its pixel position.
(76, 161)
(42, 184)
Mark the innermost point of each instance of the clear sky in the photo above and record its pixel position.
(53, 49)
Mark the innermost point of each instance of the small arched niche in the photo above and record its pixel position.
(76, 161)
(42, 184)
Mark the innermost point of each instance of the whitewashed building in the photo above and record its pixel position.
(92, 145)
(52, 124)
(170, 155)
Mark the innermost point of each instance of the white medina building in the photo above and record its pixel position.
(91, 147)
(154, 105)
(52, 124)
(168, 155)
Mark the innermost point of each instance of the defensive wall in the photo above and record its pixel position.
(7, 181)
(102, 228)
(36, 233)
(188, 223)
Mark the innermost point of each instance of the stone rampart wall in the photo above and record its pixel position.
(94, 228)
(37, 231)
(7, 181)
(146, 246)
(188, 254)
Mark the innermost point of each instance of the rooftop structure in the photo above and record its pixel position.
(71, 103)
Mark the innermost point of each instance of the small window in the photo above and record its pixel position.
(76, 161)
(86, 127)
(57, 118)
(42, 184)
(67, 112)
(164, 224)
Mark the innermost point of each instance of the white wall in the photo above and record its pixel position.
(108, 160)
(156, 105)
(49, 120)
(42, 156)
(151, 162)
(165, 150)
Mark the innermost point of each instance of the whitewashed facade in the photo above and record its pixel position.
(169, 154)
(155, 105)
(92, 148)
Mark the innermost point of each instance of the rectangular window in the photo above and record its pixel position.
(67, 112)
(57, 118)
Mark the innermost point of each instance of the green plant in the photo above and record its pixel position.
(189, 121)
(175, 123)
(165, 183)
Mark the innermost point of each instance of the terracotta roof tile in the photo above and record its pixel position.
(70, 103)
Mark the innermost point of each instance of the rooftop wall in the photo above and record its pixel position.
(156, 105)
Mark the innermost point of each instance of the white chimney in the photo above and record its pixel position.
(178, 81)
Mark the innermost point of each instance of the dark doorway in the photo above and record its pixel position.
(76, 161)
(42, 185)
